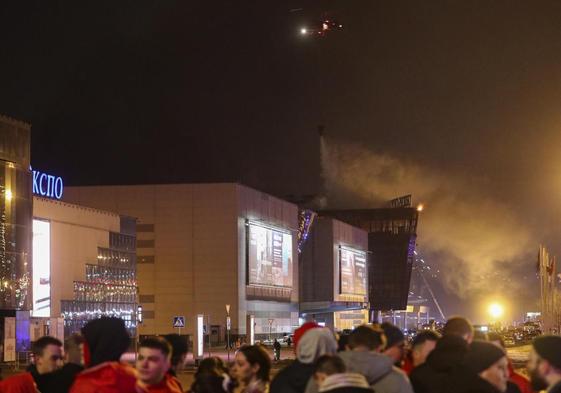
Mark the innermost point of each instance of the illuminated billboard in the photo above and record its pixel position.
(41, 268)
(352, 272)
(269, 257)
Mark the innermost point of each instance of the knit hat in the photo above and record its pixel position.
(315, 343)
(393, 334)
(298, 333)
(549, 348)
(482, 355)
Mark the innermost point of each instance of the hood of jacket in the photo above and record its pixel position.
(372, 365)
(448, 353)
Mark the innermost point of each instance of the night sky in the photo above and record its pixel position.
(454, 102)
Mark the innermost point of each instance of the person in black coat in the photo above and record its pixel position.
(447, 355)
(544, 364)
(483, 370)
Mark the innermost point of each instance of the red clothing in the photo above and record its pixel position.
(407, 365)
(108, 377)
(20, 383)
(520, 380)
(168, 385)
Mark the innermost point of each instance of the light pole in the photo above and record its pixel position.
(228, 325)
(271, 320)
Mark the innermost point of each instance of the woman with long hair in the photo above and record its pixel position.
(251, 369)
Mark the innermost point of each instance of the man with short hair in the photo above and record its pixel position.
(447, 355)
(459, 326)
(544, 364)
(421, 346)
(153, 363)
(47, 358)
(179, 349)
(395, 343)
(364, 357)
(47, 355)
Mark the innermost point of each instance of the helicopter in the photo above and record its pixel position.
(321, 28)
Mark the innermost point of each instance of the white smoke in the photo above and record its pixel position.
(477, 239)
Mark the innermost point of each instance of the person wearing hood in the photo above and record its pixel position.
(447, 355)
(310, 345)
(544, 364)
(483, 370)
(106, 339)
(364, 357)
(331, 376)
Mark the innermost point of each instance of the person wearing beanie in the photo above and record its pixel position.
(544, 364)
(313, 343)
(395, 343)
(106, 339)
(521, 382)
(484, 370)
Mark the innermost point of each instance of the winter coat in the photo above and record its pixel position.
(20, 383)
(345, 383)
(379, 371)
(520, 380)
(108, 377)
(441, 362)
(293, 378)
(314, 343)
(462, 380)
(168, 385)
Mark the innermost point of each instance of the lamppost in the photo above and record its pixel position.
(271, 320)
(228, 325)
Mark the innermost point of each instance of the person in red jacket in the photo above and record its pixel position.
(153, 363)
(20, 383)
(106, 339)
(520, 380)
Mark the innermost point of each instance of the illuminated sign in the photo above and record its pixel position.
(41, 268)
(403, 201)
(47, 185)
(200, 336)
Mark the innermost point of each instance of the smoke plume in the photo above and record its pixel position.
(477, 241)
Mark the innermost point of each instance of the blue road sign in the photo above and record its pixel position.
(179, 322)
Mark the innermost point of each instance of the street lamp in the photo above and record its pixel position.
(496, 310)
(271, 320)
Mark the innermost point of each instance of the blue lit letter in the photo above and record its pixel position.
(35, 178)
(58, 187)
(43, 176)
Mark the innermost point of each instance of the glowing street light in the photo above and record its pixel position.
(496, 310)
(303, 31)
(420, 207)
(9, 195)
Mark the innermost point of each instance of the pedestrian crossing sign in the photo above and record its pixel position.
(179, 322)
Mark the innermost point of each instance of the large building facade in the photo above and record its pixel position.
(202, 247)
(334, 275)
(15, 216)
(84, 264)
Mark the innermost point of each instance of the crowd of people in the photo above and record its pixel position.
(372, 358)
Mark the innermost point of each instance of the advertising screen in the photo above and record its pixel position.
(41, 268)
(352, 267)
(269, 257)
